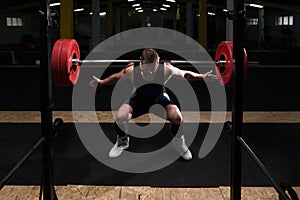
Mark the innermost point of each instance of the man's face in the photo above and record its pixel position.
(149, 68)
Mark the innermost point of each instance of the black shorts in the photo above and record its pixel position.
(142, 105)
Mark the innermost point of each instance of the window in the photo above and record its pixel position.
(291, 20)
(284, 21)
(252, 21)
(14, 21)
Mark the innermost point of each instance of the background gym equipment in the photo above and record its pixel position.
(65, 62)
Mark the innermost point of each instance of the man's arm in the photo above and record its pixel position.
(185, 74)
(112, 79)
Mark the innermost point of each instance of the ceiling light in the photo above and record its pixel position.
(136, 5)
(130, 0)
(256, 5)
(54, 4)
(173, 1)
(210, 13)
(138, 8)
(154, 10)
(166, 5)
(140, 11)
(102, 13)
(163, 9)
(79, 9)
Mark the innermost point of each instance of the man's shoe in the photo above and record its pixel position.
(180, 146)
(121, 144)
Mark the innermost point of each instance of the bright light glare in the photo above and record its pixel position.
(256, 5)
(79, 9)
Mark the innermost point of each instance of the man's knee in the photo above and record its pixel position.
(174, 114)
(122, 117)
(124, 114)
(175, 118)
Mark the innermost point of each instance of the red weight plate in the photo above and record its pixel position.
(70, 50)
(75, 68)
(55, 62)
(64, 73)
(224, 71)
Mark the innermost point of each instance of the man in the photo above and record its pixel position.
(149, 80)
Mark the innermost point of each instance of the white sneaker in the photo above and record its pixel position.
(121, 144)
(180, 146)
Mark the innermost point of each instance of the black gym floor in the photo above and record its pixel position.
(275, 144)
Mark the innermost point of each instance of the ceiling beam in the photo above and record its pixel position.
(17, 7)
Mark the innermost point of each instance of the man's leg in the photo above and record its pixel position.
(123, 115)
(175, 118)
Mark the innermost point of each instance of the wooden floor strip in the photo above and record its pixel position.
(188, 116)
(85, 192)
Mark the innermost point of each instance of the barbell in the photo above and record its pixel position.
(65, 62)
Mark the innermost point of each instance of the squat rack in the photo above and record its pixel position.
(47, 186)
(236, 126)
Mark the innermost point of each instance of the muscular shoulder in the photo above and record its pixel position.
(127, 71)
(128, 68)
(169, 70)
(168, 67)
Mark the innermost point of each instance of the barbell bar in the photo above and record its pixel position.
(65, 62)
(199, 62)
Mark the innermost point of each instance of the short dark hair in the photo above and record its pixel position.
(149, 55)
